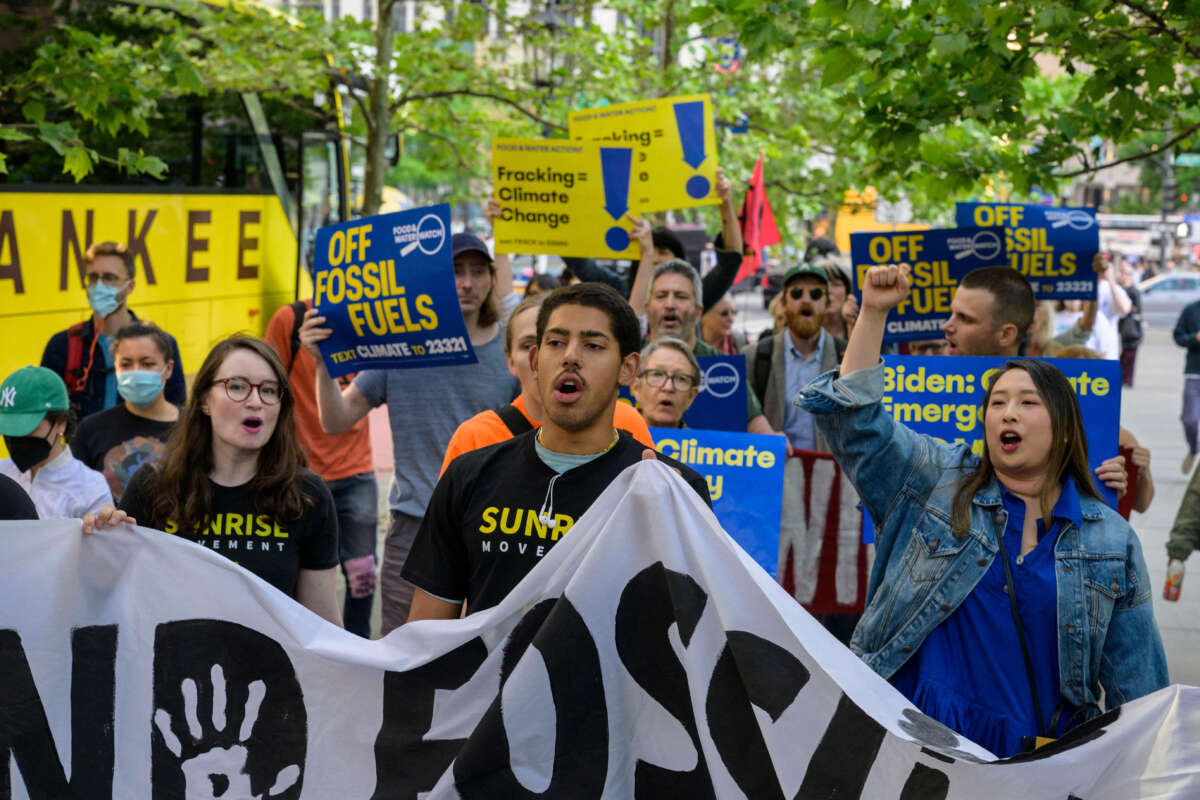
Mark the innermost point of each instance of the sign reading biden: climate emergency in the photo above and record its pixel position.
(385, 285)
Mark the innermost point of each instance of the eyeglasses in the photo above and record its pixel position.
(814, 292)
(108, 279)
(238, 389)
(657, 378)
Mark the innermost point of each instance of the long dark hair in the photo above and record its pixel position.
(1068, 447)
(184, 495)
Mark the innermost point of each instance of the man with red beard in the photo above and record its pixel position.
(498, 510)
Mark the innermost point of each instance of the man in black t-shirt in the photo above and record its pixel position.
(496, 511)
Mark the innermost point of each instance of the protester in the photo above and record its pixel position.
(929, 347)
(1184, 537)
(82, 354)
(1104, 338)
(116, 442)
(533, 487)
(234, 480)
(1130, 325)
(525, 413)
(36, 421)
(667, 383)
(842, 308)
(662, 244)
(775, 309)
(344, 462)
(540, 283)
(981, 654)
(716, 328)
(1187, 335)
(777, 368)
(1140, 492)
(14, 503)
(425, 407)
(672, 309)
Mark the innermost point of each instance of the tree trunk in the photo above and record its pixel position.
(379, 109)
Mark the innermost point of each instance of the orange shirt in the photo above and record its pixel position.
(331, 457)
(486, 428)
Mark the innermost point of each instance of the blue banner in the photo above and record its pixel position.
(938, 260)
(1052, 247)
(385, 285)
(745, 480)
(721, 404)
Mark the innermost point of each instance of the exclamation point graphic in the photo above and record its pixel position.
(616, 163)
(689, 119)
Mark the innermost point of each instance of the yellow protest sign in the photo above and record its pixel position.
(676, 162)
(562, 197)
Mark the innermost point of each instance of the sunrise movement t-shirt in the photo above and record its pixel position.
(481, 533)
(273, 550)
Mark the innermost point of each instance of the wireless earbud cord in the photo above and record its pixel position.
(546, 513)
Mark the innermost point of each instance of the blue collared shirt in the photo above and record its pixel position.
(798, 423)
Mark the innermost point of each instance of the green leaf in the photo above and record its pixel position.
(837, 65)
(951, 44)
(77, 162)
(34, 111)
(13, 135)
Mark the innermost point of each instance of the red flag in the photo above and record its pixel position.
(758, 223)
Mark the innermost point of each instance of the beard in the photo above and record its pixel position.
(804, 327)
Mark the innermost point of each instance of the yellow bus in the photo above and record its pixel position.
(219, 243)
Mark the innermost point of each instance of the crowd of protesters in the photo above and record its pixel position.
(267, 460)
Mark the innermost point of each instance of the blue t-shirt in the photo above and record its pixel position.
(969, 673)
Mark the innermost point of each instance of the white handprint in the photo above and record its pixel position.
(218, 773)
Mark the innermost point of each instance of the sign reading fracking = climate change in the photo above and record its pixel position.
(938, 260)
(563, 198)
(676, 150)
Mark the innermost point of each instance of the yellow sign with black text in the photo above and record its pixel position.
(562, 197)
(676, 162)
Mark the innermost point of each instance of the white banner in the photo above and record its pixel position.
(664, 663)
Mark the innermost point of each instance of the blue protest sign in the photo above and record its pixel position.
(745, 480)
(385, 285)
(721, 403)
(938, 260)
(1052, 247)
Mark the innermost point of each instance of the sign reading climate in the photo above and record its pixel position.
(938, 260)
(1052, 247)
(563, 198)
(385, 285)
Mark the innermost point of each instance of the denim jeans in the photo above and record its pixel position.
(356, 499)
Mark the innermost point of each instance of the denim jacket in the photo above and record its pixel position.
(1107, 635)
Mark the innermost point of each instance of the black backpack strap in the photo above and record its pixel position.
(512, 417)
(762, 367)
(298, 310)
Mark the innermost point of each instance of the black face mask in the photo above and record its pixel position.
(27, 451)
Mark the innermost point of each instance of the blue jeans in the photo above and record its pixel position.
(1191, 413)
(356, 500)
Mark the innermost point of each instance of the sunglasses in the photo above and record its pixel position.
(815, 293)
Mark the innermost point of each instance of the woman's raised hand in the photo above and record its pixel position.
(107, 517)
(884, 287)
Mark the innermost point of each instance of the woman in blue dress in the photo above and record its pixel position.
(1007, 599)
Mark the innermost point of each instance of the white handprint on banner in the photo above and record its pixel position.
(212, 772)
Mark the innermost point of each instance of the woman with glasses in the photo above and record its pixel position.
(716, 328)
(233, 479)
(668, 382)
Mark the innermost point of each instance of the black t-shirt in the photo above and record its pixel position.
(14, 503)
(274, 551)
(117, 443)
(481, 534)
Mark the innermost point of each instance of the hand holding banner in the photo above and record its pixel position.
(385, 285)
(676, 157)
(1052, 247)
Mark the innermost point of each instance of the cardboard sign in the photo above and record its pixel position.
(1052, 247)
(938, 260)
(676, 163)
(563, 198)
(385, 285)
(745, 481)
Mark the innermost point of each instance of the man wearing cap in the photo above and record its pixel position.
(425, 406)
(36, 423)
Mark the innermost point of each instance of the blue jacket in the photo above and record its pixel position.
(1107, 635)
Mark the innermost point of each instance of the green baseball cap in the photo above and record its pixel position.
(803, 269)
(26, 396)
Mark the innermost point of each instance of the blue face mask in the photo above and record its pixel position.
(103, 299)
(140, 386)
